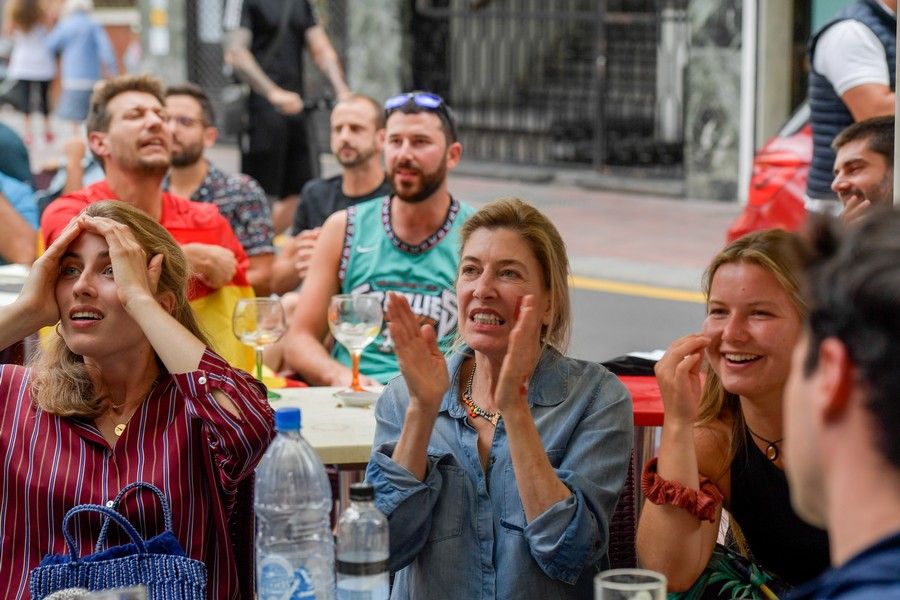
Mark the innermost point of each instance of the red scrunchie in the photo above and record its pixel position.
(701, 503)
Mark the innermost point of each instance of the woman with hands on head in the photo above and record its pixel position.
(722, 440)
(499, 468)
(127, 391)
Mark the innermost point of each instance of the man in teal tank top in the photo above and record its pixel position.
(407, 242)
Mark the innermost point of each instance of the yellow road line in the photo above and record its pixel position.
(635, 289)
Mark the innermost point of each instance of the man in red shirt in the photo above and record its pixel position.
(129, 134)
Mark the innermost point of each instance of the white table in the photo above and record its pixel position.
(11, 279)
(342, 435)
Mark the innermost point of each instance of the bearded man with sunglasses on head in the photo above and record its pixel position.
(407, 242)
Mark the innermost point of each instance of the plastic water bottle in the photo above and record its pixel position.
(294, 544)
(362, 554)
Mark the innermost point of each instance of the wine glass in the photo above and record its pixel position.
(355, 320)
(259, 322)
(630, 584)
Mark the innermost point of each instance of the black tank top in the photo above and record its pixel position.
(760, 503)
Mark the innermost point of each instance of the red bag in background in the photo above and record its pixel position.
(777, 185)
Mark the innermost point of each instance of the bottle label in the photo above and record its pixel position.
(278, 580)
(361, 568)
(379, 593)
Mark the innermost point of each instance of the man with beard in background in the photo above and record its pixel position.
(407, 243)
(357, 138)
(239, 198)
(864, 166)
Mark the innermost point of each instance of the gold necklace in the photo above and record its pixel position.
(473, 409)
(119, 428)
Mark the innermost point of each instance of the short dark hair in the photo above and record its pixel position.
(196, 92)
(376, 107)
(442, 112)
(879, 131)
(98, 117)
(853, 289)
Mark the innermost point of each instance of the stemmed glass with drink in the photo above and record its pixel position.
(259, 322)
(355, 320)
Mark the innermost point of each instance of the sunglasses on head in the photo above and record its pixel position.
(426, 100)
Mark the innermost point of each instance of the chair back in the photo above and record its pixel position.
(623, 524)
(242, 527)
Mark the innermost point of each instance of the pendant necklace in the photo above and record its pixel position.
(473, 409)
(119, 428)
(772, 451)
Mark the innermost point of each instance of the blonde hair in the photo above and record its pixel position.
(24, 14)
(62, 385)
(548, 248)
(782, 254)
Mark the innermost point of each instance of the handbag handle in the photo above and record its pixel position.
(114, 505)
(110, 514)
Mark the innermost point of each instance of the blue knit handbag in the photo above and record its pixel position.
(159, 563)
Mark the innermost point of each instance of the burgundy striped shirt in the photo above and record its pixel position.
(180, 440)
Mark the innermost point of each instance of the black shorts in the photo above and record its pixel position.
(276, 150)
(31, 96)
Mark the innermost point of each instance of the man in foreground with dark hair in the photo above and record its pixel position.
(842, 409)
(864, 166)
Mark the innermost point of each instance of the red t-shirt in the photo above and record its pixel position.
(188, 222)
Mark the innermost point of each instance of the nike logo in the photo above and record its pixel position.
(365, 249)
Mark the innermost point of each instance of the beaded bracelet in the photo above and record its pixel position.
(701, 503)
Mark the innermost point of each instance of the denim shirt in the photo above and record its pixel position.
(462, 532)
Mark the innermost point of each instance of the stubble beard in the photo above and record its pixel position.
(187, 156)
(360, 157)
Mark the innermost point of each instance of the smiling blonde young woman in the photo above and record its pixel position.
(722, 439)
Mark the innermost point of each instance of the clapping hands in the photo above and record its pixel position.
(421, 361)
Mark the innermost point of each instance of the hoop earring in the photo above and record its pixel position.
(56, 328)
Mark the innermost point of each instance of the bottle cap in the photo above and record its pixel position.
(287, 419)
(362, 491)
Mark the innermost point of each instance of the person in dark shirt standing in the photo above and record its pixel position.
(357, 137)
(265, 47)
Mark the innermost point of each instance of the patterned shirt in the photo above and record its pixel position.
(180, 439)
(242, 202)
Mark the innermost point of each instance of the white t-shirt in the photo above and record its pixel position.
(30, 58)
(849, 54)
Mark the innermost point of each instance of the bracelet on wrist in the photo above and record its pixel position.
(702, 503)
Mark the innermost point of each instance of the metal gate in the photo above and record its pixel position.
(569, 82)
